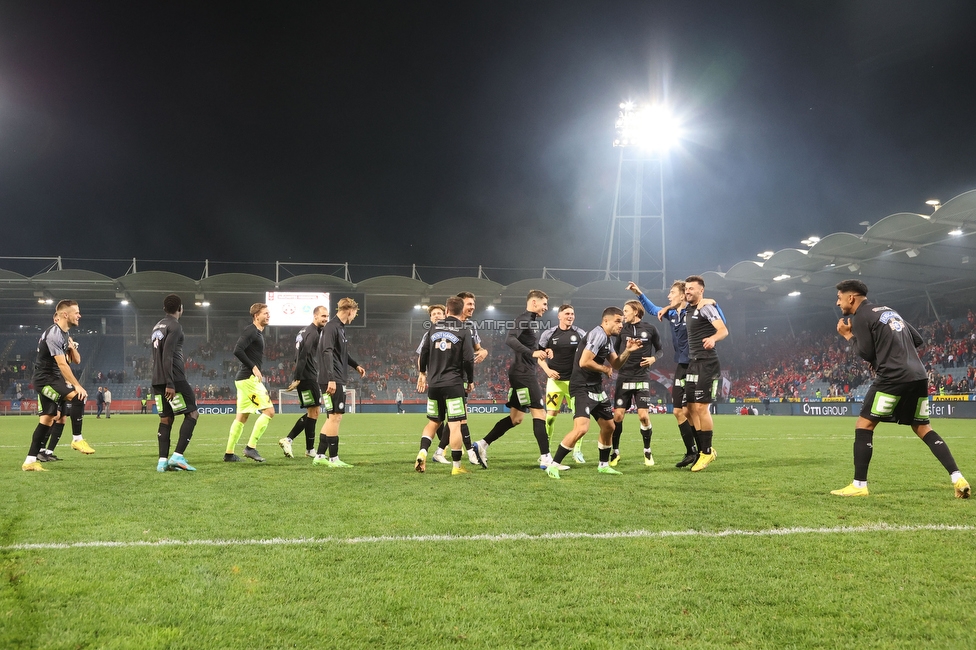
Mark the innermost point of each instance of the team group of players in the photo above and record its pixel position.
(574, 361)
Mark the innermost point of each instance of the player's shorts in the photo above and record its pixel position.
(557, 390)
(701, 382)
(51, 397)
(309, 394)
(252, 396)
(678, 397)
(906, 403)
(336, 402)
(446, 403)
(524, 394)
(627, 392)
(591, 401)
(183, 402)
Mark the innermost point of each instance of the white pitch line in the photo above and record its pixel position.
(504, 537)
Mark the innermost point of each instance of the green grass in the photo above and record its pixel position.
(340, 588)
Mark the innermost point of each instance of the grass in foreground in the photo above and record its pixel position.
(877, 588)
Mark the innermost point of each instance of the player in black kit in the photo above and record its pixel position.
(335, 360)
(252, 395)
(560, 343)
(57, 386)
(525, 394)
(899, 392)
(173, 393)
(634, 378)
(306, 380)
(705, 328)
(446, 368)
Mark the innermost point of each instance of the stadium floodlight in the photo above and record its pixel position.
(780, 278)
(765, 255)
(935, 203)
(651, 127)
(417, 307)
(912, 252)
(955, 232)
(810, 241)
(793, 294)
(490, 308)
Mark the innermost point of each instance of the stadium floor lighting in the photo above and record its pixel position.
(793, 294)
(956, 232)
(780, 278)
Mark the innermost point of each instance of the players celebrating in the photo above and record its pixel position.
(56, 384)
(252, 395)
(633, 380)
(706, 327)
(560, 343)
(174, 395)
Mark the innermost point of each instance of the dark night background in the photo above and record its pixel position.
(468, 133)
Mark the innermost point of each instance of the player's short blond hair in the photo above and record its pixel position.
(347, 304)
(257, 308)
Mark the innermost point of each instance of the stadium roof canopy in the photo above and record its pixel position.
(905, 258)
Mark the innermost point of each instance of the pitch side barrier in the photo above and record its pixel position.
(940, 406)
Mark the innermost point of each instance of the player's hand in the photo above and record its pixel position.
(541, 354)
(330, 389)
(844, 328)
(480, 355)
(82, 393)
(422, 383)
(552, 374)
(608, 371)
(632, 286)
(72, 343)
(633, 345)
(660, 315)
(361, 371)
(647, 362)
(706, 301)
(170, 394)
(257, 373)
(468, 388)
(708, 343)
(293, 385)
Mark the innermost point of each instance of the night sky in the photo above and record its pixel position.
(465, 133)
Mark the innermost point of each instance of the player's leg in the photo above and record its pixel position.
(166, 417)
(47, 412)
(581, 424)
(245, 407)
(261, 402)
(679, 407)
(618, 428)
(456, 411)
(644, 415)
(605, 444)
(46, 454)
(434, 422)
(184, 402)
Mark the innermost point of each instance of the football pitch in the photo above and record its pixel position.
(104, 552)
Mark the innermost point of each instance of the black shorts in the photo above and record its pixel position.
(678, 396)
(701, 382)
(446, 403)
(309, 394)
(632, 391)
(906, 403)
(51, 397)
(183, 402)
(336, 402)
(591, 401)
(525, 393)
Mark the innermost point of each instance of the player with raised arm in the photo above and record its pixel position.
(595, 358)
(56, 384)
(446, 367)
(335, 360)
(174, 395)
(634, 378)
(305, 380)
(900, 391)
(252, 395)
(675, 313)
(706, 327)
(525, 394)
(560, 343)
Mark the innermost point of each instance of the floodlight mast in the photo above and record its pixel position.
(644, 133)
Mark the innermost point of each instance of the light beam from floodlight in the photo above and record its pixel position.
(651, 127)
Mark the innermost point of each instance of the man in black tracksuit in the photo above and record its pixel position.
(634, 378)
(899, 392)
(305, 380)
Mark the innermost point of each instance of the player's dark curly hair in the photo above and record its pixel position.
(172, 303)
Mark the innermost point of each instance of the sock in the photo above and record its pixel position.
(425, 443)
(443, 436)
(38, 439)
(76, 411)
(465, 436)
(456, 457)
(236, 429)
(259, 428)
(863, 449)
(618, 428)
(333, 447)
(646, 435)
(499, 430)
(705, 442)
(162, 437)
(550, 424)
(298, 428)
(323, 445)
(687, 436)
(56, 431)
(940, 450)
(310, 433)
(604, 453)
(541, 437)
(561, 453)
(186, 433)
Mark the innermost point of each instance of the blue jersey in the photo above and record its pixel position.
(679, 330)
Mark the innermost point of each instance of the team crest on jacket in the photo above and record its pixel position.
(892, 320)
